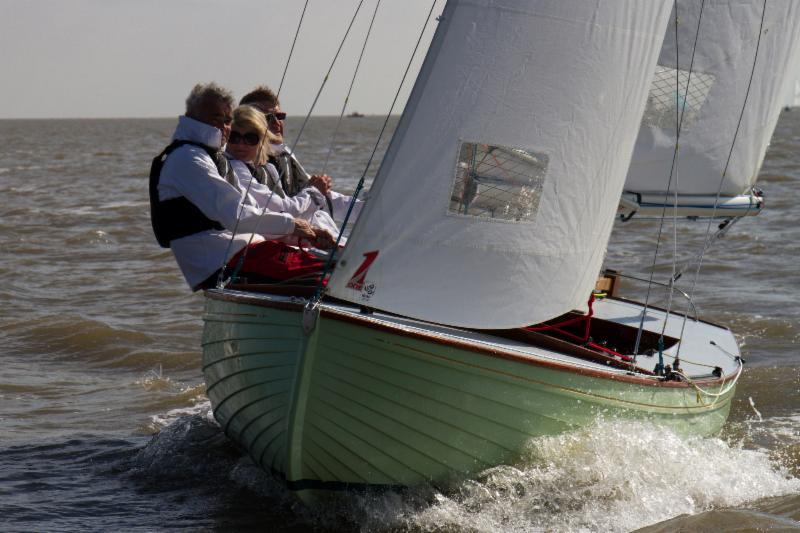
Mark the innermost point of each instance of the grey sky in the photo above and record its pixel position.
(140, 58)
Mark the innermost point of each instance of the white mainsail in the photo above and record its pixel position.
(495, 201)
(717, 86)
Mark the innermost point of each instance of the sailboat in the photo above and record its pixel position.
(724, 89)
(465, 315)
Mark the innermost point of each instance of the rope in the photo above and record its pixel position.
(321, 286)
(723, 392)
(352, 82)
(291, 51)
(327, 75)
(709, 238)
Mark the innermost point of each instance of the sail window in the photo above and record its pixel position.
(667, 98)
(497, 182)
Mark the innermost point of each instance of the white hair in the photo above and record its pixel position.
(203, 92)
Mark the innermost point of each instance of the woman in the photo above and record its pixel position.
(273, 259)
(249, 148)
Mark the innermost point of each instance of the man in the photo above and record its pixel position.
(197, 203)
(293, 176)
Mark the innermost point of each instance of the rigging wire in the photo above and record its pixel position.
(708, 236)
(679, 124)
(723, 229)
(221, 283)
(327, 75)
(314, 301)
(352, 83)
(291, 50)
(679, 114)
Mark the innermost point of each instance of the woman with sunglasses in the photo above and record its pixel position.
(295, 177)
(266, 257)
(199, 209)
(248, 150)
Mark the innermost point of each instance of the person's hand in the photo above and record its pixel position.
(303, 230)
(323, 240)
(323, 182)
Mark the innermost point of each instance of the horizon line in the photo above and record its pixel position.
(364, 115)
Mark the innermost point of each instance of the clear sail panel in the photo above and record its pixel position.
(497, 182)
(676, 91)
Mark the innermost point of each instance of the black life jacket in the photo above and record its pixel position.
(259, 173)
(293, 176)
(178, 217)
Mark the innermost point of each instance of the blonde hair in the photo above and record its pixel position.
(246, 116)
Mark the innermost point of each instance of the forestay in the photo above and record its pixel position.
(717, 86)
(796, 95)
(495, 201)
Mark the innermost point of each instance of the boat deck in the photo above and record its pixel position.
(697, 353)
(704, 347)
(698, 356)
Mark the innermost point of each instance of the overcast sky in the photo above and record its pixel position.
(140, 58)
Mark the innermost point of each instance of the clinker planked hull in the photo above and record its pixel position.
(366, 400)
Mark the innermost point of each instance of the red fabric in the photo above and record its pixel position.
(274, 261)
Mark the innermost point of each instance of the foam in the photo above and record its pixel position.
(616, 476)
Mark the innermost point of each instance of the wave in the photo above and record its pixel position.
(77, 338)
(775, 178)
(613, 476)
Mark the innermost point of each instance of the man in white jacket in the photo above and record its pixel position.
(198, 207)
(293, 176)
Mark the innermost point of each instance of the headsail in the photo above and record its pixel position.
(495, 201)
(712, 95)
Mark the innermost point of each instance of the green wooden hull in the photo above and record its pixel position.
(352, 405)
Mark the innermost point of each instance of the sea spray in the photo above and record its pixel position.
(613, 476)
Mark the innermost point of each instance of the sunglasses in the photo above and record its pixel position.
(276, 116)
(250, 139)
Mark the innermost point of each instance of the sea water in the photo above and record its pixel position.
(104, 424)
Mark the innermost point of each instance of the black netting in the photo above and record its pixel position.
(497, 182)
(668, 94)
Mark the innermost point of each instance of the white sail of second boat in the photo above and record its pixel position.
(711, 85)
(495, 201)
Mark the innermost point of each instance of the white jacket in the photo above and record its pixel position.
(309, 204)
(303, 205)
(191, 173)
(339, 202)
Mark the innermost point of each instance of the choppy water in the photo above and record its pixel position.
(104, 424)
